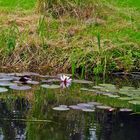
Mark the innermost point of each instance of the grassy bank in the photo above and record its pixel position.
(92, 37)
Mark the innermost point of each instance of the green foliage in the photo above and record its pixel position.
(42, 28)
(16, 4)
(9, 38)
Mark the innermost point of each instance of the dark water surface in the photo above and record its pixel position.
(29, 115)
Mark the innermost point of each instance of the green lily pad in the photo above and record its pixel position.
(32, 82)
(125, 98)
(50, 86)
(6, 84)
(88, 89)
(59, 108)
(82, 81)
(98, 87)
(125, 110)
(16, 87)
(88, 110)
(112, 96)
(108, 88)
(103, 107)
(3, 89)
(134, 102)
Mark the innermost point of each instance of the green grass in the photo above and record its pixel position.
(17, 4)
(99, 39)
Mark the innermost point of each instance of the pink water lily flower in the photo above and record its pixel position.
(65, 81)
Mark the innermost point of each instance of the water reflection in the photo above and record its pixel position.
(22, 118)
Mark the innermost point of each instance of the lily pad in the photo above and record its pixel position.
(51, 80)
(134, 102)
(3, 89)
(32, 82)
(88, 89)
(103, 107)
(6, 84)
(108, 88)
(85, 105)
(61, 108)
(88, 110)
(112, 96)
(98, 87)
(6, 79)
(125, 98)
(82, 81)
(16, 87)
(125, 110)
(76, 107)
(50, 86)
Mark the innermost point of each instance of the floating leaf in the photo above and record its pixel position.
(125, 110)
(108, 88)
(16, 87)
(103, 107)
(32, 82)
(6, 79)
(85, 105)
(60, 108)
(134, 102)
(88, 89)
(50, 86)
(112, 96)
(82, 81)
(76, 107)
(3, 89)
(98, 87)
(6, 84)
(125, 98)
(51, 80)
(88, 110)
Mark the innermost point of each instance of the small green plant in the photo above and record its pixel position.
(9, 39)
(42, 29)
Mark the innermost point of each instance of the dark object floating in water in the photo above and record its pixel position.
(24, 79)
(82, 81)
(3, 89)
(50, 86)
(61, 108)
(16, 87)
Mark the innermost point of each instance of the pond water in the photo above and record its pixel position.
(44, 109)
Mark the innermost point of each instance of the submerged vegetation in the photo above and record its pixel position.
(87, 37)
